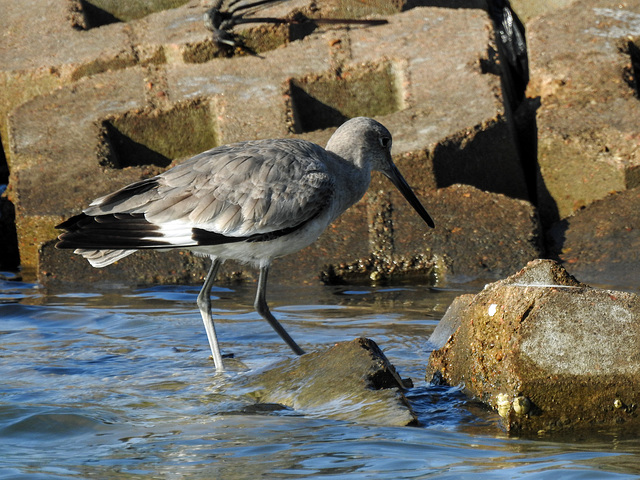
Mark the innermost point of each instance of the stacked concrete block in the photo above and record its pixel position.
(133, 98)
(585, 66)
(588, 119)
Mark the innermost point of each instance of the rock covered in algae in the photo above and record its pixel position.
(545, 351)
(351, 381)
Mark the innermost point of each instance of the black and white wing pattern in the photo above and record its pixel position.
(247, 191)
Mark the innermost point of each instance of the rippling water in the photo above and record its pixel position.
(116, 383)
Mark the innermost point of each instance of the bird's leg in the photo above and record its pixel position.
(263, 309)
(204, 304)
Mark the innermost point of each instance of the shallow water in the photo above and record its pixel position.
(116, 382)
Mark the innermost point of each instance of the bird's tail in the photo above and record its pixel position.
(102, 258)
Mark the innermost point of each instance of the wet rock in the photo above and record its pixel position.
(600, 243)
(479, 234)
(450, 322)
(584, 76)
(351, 381)
(547, 352)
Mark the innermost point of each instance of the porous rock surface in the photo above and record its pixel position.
(547, 352)
(90, 107)
(584, 62)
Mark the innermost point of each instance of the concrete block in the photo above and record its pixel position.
(479, 234)
(599, 244)
(584, 73)
(421, 75)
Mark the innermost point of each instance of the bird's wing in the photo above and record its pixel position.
(234, 192)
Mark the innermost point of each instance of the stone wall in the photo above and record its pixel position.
(94, 98)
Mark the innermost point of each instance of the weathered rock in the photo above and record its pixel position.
(547, 352)
(478, 235)
(600, 243)
(141, 99)
(584, 72)
(351, 381)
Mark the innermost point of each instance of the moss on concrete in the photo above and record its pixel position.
(31, 230)
(103, 64)
(574, 175)
(322, 101)
(156, 137)
(359, 9)
(203, 52)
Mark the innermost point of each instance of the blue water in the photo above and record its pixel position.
(116, 383)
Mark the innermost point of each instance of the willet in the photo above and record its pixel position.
(251, 201)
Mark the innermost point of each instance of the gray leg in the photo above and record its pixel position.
(204, 304)
(263, 309)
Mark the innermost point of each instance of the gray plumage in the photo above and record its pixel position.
(250, 201)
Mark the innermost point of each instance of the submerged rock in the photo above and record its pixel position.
(351, 381)
(544, 350)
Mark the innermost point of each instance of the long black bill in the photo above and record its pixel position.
(401, 184)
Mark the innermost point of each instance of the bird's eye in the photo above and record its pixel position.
(385, 142)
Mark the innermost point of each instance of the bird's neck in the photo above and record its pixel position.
(348, 152)
(352, 179)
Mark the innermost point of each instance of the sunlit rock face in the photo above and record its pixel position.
(544, 350)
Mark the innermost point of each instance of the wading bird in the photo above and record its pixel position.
(252, 202)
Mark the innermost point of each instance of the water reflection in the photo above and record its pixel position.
(117, 383)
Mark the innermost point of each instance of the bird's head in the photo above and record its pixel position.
(367, 144)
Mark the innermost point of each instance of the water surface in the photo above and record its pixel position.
(116, 382)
